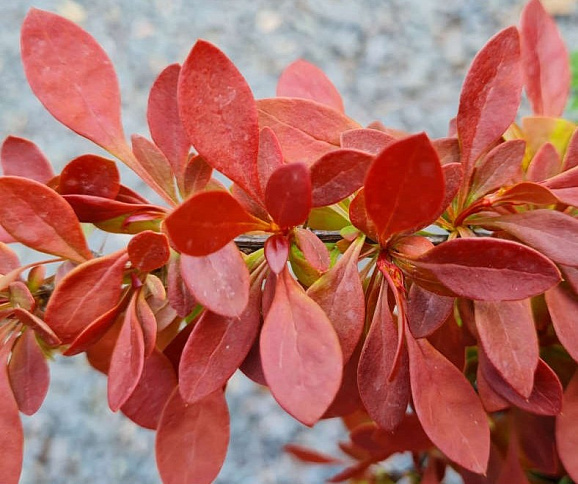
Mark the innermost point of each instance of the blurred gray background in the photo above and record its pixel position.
(399, 61)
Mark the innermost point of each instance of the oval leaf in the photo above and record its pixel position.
(90, 175)
(21, 157)
(427, 311)
(276, 252)
(148, 250)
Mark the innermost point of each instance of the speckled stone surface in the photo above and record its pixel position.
(399, 61)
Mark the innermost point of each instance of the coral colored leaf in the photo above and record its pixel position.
(525, 193)
(11, 433)
(563, 308)
(157, 382)
(339, 293)
(453, 176)
(545, 164)
(553, 233)
(545, 61)
(179, 296)
(29, 374)
(192, 440)
(38, 217)
(164, 122)
(85, 294)
(305, 129)
(490, 96)
(219, 114)
(197, 176)
(270, 156)
(371, 141)
(73, 77)
(567, 429)
(300, 353)
(302, 79)
(512, 470)
(277, 252)
(21, 157)
(404, 187)
(146, 318)
(127, 360)
(148, 250)
(208, 221)
(337, 175)
(219, 281)
(288, 194)
(427, 311)
(384, 398)
(314, 250)
(216, 348)
(491, 401)
(565, 186)
(487, 269)
(306, 455)
(90, 175)
(570, 159)
(537, 441)
(447, 407)
(8, 259)
(97, 209)
(506, 333)
(359, 217)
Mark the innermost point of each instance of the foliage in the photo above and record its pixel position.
(463, 353)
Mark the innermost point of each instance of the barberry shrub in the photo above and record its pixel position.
(316, 273)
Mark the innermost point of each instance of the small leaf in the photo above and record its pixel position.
(208, 221)
(565, 186)
(300, 353)
(567, 429)
(563, 308)
(196, 177)
(524, 193)
(219, 281)
(371, 141)
(276, 252)
(8, 259)
(288, 195)
(179, 296)
(545, 164)
(149, 250)
(38, 217)
(90, 175)
(270, 156)
(21, 157)
(306, 455)
(73, 77)
(146, 318)
(302, 79)
(314, 251)
(427, 311)
(192, 440)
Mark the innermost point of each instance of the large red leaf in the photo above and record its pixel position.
(404, 187)
(164, 122)
(567, 429)
(340, 294)
(300, 353)
(29, 374)
(219, 281)
(148, 250)
(73, 77)
(486, 269)
(21, 157)
(192, 440)
(507, 334)
(563, 308)
(385, 398)
(208, 221)
(427, 311)
(448, 408)
(219, 114)
(490, 96)
(553, 233)
(304, 80)
(40, 218)
(11, 434)
(305, 129)
(545, 60)
(85, 294)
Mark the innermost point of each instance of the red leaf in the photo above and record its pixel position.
(404, 187)
(570, 159)
(85, 294)
(337, 175)
(51, 225)
(90, 175)
(507, 334)
(270, 156)
(553, 233)
(448, 408)
(97, 209)
(563, 308)
(164, 122)
(179, 296)
(490, 96)
(197, 176)
(369, 140)
(219, 281)
(149, 250)
(147, 321)
(305, 129)
(73, 77)
(127, 360)
(567, 429)
(359, 217)
(385, 398)
(512, 470)
(314, 250)
(525, 193)
(565, 186)
(11, 434)
(21, 157)
(155, 386)
(192, 440)
(219, 114)
(309, 456)
(216, 348)
(288, 195)
(537, 439)
(545, 164)
(427, 311)
(302, 79)
(208, 221)
(545, 60)
(8, 259)
(453, 176)
(277, 252)
(487, 269)
(339, 293)
(300, 353)
(29, 374)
